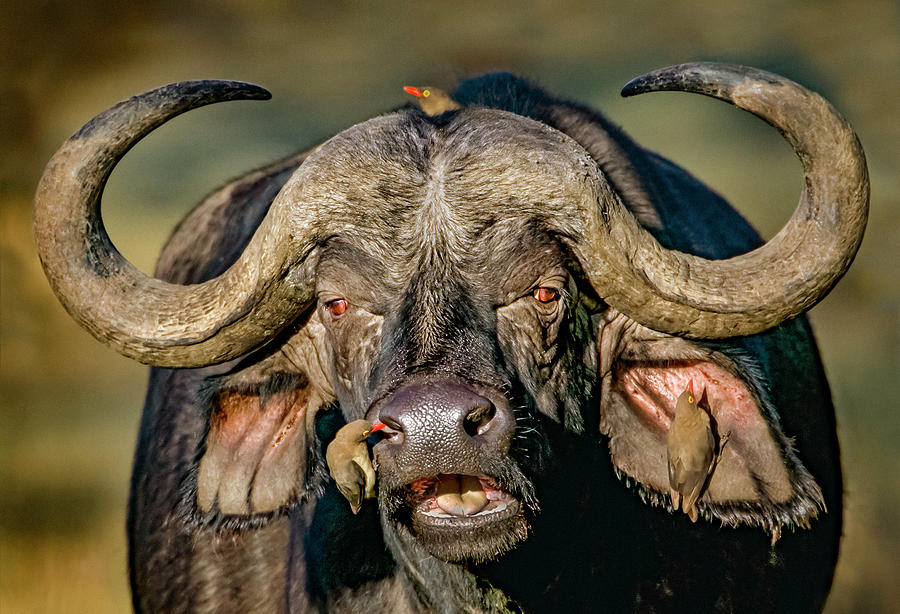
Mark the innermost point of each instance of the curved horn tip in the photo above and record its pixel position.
(188, 94)
(235, 90)
(710, 78)
(219, 89)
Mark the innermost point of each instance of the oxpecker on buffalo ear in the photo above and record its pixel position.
(691, 452)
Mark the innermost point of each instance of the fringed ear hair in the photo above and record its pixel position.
(758, 479)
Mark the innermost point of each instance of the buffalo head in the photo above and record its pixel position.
(488, 284)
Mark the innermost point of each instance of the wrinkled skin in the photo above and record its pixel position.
(448, 310)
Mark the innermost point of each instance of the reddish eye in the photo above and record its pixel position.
(546, 294)
(337, 307)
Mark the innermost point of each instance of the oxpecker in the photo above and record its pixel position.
(691, 452)
(349, 463)
(432, 100)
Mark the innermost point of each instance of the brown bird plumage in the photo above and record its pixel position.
(432, 100)
(349, 463)
(691, 451)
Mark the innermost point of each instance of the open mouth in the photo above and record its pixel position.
(453, 499)
(460, 517)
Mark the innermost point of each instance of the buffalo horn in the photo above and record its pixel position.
(147, 319)
(687, 295)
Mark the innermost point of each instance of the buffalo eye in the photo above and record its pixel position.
(336, 307)
(546, 295)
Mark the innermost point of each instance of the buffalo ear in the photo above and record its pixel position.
(758, 480)
(259, 448)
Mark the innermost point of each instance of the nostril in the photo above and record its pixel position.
(477, 421)
(393, 426)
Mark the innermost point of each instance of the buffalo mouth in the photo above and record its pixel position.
(458, 516)
(464, 499)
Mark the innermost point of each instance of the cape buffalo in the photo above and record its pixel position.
(520, 293)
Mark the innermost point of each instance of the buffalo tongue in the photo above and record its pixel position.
(460, 495)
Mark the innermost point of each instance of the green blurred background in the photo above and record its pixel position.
(69, 407)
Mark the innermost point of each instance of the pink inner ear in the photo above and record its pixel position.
(653, 390)
(255, 452)
(752, 465)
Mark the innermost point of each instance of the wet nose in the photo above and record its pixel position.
(445, 424)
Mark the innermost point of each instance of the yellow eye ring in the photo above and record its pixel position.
(690, 399)
(426, 93)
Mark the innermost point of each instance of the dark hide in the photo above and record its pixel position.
(600, 540)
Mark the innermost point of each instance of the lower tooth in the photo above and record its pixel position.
(496, 508)
(486, 511)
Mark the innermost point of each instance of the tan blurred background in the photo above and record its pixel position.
(69, 407)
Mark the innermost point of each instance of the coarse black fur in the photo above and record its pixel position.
(594, 544)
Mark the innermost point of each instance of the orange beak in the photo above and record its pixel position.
(690, 386)
(415, 92)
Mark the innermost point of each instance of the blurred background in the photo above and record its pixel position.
(69, 408)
